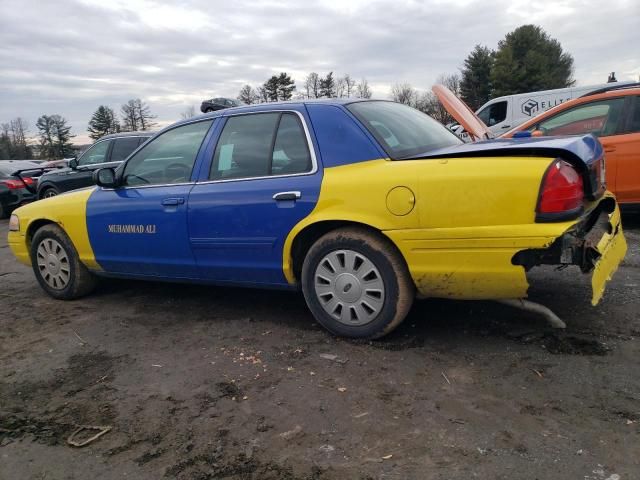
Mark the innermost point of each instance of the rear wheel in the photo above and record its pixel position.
(57, 266)
(208, 110)
(49, 192)
(356, 283)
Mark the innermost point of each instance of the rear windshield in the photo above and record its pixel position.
(401, 130)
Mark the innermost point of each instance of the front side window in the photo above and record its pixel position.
(169, 158)
(494, 113)
(96, 154)
(261, 145)
(401, 130)
(122, 147)
(599, 118)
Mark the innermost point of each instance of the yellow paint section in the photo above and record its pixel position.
(69, 211)
(613, 248)
(471, 216)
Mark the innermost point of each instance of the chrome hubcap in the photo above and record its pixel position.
(349, 287)
(53, 263)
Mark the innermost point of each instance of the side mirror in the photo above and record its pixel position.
(73, 163)
(105, 177)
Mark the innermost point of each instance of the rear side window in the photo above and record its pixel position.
(402, 131)
(494, 113)
(122, 148)
(96, 154)
(261, 145)
(598, 118)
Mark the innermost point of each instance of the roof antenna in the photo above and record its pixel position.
(612, 77)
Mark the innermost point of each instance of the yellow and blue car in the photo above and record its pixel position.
(360, 204)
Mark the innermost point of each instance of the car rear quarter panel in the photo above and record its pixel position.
(471, 215)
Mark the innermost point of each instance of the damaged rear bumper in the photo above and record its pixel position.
(596, 244)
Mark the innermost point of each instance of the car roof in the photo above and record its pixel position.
(622, 91)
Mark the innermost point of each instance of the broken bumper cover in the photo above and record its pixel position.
(596, 244)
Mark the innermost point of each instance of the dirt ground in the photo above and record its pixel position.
(206, 383)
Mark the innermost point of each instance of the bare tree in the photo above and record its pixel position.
(136, 115)
(452, 82)
(350, 85)
(363, 90)
(341, 87)
(129, 117)
(404, 93)
(144, 115)
(312, 85)
(188, 112)
(248, 95)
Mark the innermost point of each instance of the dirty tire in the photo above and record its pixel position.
(398, 287)
(80, 280)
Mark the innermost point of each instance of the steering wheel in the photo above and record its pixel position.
(177, 171)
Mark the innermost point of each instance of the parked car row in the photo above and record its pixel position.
(360, 204)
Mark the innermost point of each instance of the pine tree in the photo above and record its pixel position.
(55, 137)
(271, 89)
(528, 60)
(103, 122)
(475, 87)
(286, 86)
(328, 86)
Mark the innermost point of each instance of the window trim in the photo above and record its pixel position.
(312, 152)
(620, 126)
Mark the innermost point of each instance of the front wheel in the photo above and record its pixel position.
(356, 283)
(57, 266)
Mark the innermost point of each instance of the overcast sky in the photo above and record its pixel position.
(70, 56)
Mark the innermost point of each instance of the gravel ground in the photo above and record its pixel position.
(206, 383)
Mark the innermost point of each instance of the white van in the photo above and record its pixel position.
(504, 113)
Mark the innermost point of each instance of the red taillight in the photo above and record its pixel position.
(14, 184)
(562, 191)
(28, 180)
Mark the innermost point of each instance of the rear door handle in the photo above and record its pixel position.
(506, 126)
(172, 201)
(281, 196)
(609, 149)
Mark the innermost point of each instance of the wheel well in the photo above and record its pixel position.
(307, 237)
(34, 227)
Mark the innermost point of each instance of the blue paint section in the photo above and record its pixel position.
(237, 230)
(340, 138)
(132, 232)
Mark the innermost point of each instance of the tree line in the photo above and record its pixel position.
(281, 87)
(526, 60)
(54, 134)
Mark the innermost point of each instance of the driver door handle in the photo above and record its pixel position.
(172, 201)
(281, 196)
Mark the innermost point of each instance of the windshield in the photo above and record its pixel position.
(401, 130)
